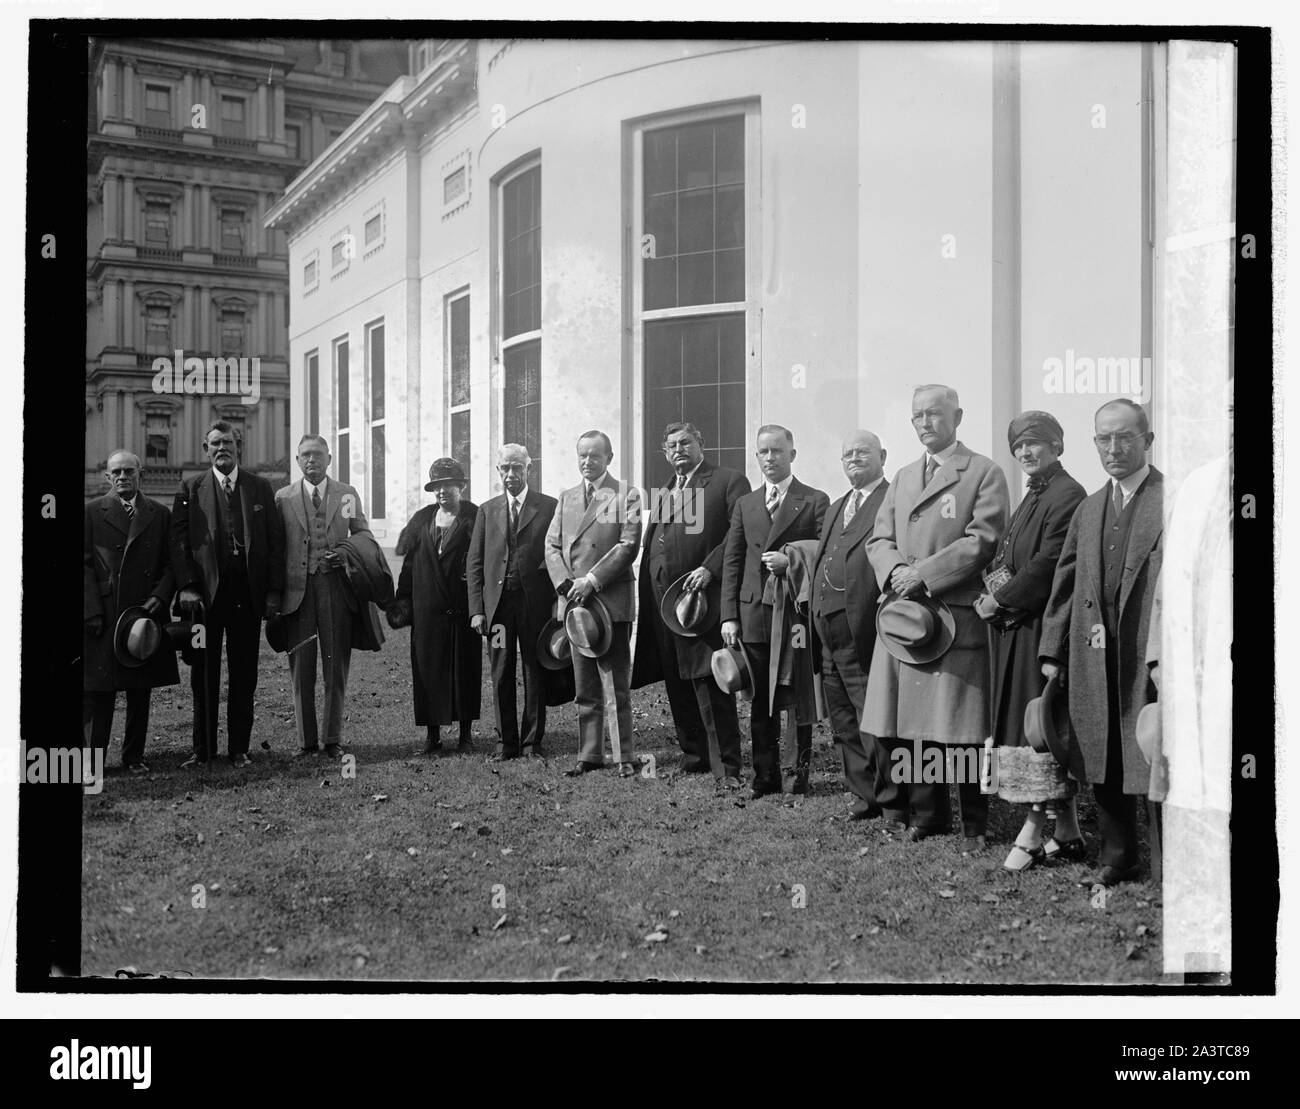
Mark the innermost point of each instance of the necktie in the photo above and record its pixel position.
(130, 510)
(931, 464)
(227, 486)
(514, 517)
(855, 502)
(586, 494)
(315, 497)
(773, 499)
(1117, 499)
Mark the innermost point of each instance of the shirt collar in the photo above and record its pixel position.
(518, 498)
(1133, 482)
(324, 485)
(129, 500)
(692, 473)
(221, 478)
(781, 486)
(869, 488)
(942, 456)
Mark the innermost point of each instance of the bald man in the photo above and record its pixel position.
(844, 613)
(125, 563)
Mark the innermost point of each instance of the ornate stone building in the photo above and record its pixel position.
(191, 141)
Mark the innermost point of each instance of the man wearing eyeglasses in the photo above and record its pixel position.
(1096, 626)
(844, 613)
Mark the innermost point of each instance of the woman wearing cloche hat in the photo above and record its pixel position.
(1017, 584)
(433, 597)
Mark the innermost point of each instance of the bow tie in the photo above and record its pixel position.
(1037, 484)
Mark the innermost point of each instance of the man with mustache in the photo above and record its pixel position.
(685, 535)
(227, 552)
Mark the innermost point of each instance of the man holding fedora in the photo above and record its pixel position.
(227, 552)
(590, 547)
(929, 681)
(1096, 629)
(510, 596)
(127, 586)
(318, 514)
(782, 510)
(844, 612)
(680, 594)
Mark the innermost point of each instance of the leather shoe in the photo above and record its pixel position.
(581, 768)
(1066, 850)
(431, 747)
(762, 789)
(303, 752)
(894, 827)
(915, 834)
(240, 761)
(1114, 875)
(626, 770)
(800, 783)
(193, 763)
(860, 810)
(503, 756)
(333, 751)
(973, 845)
(730, 783)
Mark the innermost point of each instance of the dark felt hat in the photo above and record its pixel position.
(589, 626)
(445, 470)
(731, 671)
(1047, 721)
(916, 629)
(690, 613)
(137, 637)
(1041, 426)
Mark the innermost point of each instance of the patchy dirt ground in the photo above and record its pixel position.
(451, 868)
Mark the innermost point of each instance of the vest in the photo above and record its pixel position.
(1114, 547)
(512, 579)
(228, 563)
(830, 596)
(315, 531)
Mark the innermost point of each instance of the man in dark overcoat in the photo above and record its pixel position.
(684, 533)
(125, 564)
(1096, 628)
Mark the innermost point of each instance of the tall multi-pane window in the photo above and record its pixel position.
(293, 140)
(521, 312)
(456, 317)
(311, 372)
(232, 231)
(157, 439)
(232, 331)
(233, 122)
(157, 106)
(692, 305)
(378, 422)
(157, 329)
(342, 409)
(157, 224)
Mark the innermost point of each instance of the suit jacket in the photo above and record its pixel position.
(693, 541)
(947, 531)
(124, 562)
(1074, 613)
(485, 565)
(601, 540)
(194, 530)
(860, 594)
(343, 517)
(801, 516)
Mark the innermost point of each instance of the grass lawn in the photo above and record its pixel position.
(402, 872)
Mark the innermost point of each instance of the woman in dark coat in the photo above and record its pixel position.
(1019, 583)
(446, 653)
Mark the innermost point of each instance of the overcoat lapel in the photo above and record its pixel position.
(786, 512)
(604, 492)
(143, 517)
(333, 501)
(296, 506)
(948, 474)
(114, 514)
(208, 502)
(1147, 525)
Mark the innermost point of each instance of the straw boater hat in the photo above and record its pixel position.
(554, 651)
(916, 630)
(690, 613)
(137, 636)
(445, 471)
(589, 626)
(732, 673)
(1047, 721)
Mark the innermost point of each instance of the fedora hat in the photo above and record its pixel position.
(731, 671)
(554, 651)
(589, 626)
(276, 633)
(1047, 721)
(690, 613)
(445, 470)
(137, 636)
(915, 630)
(179, 635)
(1149, 730)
